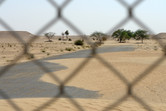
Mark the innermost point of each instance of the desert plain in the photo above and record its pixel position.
(94, 87)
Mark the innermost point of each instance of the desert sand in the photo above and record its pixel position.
(95, 87)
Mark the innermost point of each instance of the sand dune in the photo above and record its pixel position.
(95, 87)
(13, 36)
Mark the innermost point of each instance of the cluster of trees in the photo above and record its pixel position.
(67, 35)
(50, 35)
(122, 35)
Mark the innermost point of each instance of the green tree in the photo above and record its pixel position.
(141, 35)
(122, 35)
(130, 34)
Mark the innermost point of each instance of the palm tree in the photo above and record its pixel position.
(141, 34)
(67, 33)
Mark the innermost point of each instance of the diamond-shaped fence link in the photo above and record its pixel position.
(93, 54)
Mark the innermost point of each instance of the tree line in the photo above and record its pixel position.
(122, 35)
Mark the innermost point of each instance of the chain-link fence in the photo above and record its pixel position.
(130, 85)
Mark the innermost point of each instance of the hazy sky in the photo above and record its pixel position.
(87, 15)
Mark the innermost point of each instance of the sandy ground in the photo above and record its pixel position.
(99, 85)
(11, 48)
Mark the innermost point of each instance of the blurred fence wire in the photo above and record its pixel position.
(60, 9)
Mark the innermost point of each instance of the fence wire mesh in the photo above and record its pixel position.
(130, 85)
